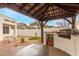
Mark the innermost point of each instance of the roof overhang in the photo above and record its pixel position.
(44, 11)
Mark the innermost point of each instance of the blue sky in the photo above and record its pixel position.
(16, 16)
(20, 17)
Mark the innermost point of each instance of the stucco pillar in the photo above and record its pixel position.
(16, 30)
(73, 23)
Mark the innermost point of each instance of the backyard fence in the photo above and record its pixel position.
(33, 32)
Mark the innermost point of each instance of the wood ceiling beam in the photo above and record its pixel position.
(39, 9)
(68, 20)
(40, 13)
(2, 5)
(64, 8)
(43, 13)
(16, 8)
(35, 5)
(45, 22)
(57, 17)
(22, 6)
(13, 7)
(73, 5)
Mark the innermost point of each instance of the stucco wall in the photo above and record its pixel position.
(28, 32)
(31, 32)
(70, 46)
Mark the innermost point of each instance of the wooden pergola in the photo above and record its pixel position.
(43, 12)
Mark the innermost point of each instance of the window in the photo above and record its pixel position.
(5, 29)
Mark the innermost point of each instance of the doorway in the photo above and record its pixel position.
(49, 39)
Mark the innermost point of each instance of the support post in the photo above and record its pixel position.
(73, 23)
(41, 23)
(42, 30)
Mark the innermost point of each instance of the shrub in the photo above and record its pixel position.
(22, 40)
(34, 38)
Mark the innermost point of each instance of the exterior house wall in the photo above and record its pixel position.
(1, 29)
(5, 20)
(10, 34)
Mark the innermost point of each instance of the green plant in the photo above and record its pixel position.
(34, 38)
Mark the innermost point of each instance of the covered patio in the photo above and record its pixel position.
(44, 12)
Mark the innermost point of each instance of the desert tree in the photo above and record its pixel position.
(63, 23)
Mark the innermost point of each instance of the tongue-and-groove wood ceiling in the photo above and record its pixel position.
(44, 11)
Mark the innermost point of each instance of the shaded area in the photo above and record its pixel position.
(57, 52)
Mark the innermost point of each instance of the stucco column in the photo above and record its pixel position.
(73, 23)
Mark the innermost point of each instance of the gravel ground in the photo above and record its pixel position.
(10, 49)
